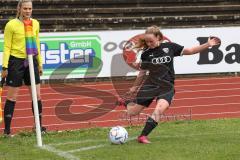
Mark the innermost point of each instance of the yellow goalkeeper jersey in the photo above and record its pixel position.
(14, 41)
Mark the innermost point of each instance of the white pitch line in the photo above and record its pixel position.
(60, 153)
(65, 154)
(76, 142)
(86, 148)
(89, 147)
(68, 156)
(84, 141)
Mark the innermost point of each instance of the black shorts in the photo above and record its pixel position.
(150, 91)
(19, 72)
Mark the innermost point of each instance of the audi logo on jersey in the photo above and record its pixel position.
(161, 60)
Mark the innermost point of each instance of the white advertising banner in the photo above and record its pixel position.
(100, 54)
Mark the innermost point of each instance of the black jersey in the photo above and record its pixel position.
(159, 61)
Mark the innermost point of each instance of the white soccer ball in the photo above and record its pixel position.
(118, 135)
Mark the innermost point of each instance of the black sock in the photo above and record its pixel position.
(8, 114)
(149, 126)
(39, 111)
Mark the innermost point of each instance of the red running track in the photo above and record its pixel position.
(85, 105)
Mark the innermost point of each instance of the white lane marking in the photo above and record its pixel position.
(83, 98)
(179, 91)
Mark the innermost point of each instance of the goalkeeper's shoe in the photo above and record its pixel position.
(7, 134)
(43, 130)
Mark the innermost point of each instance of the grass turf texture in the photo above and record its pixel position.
(181, 140)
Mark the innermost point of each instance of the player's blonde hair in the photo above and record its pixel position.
(19, 6)
(155, 30)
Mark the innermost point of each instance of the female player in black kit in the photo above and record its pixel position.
(157, 60)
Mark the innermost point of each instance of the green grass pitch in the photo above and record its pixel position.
(180, 140)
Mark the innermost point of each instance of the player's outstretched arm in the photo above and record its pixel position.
(212, 41)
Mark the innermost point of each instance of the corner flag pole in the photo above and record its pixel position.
(34, 98)
(31, 49)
